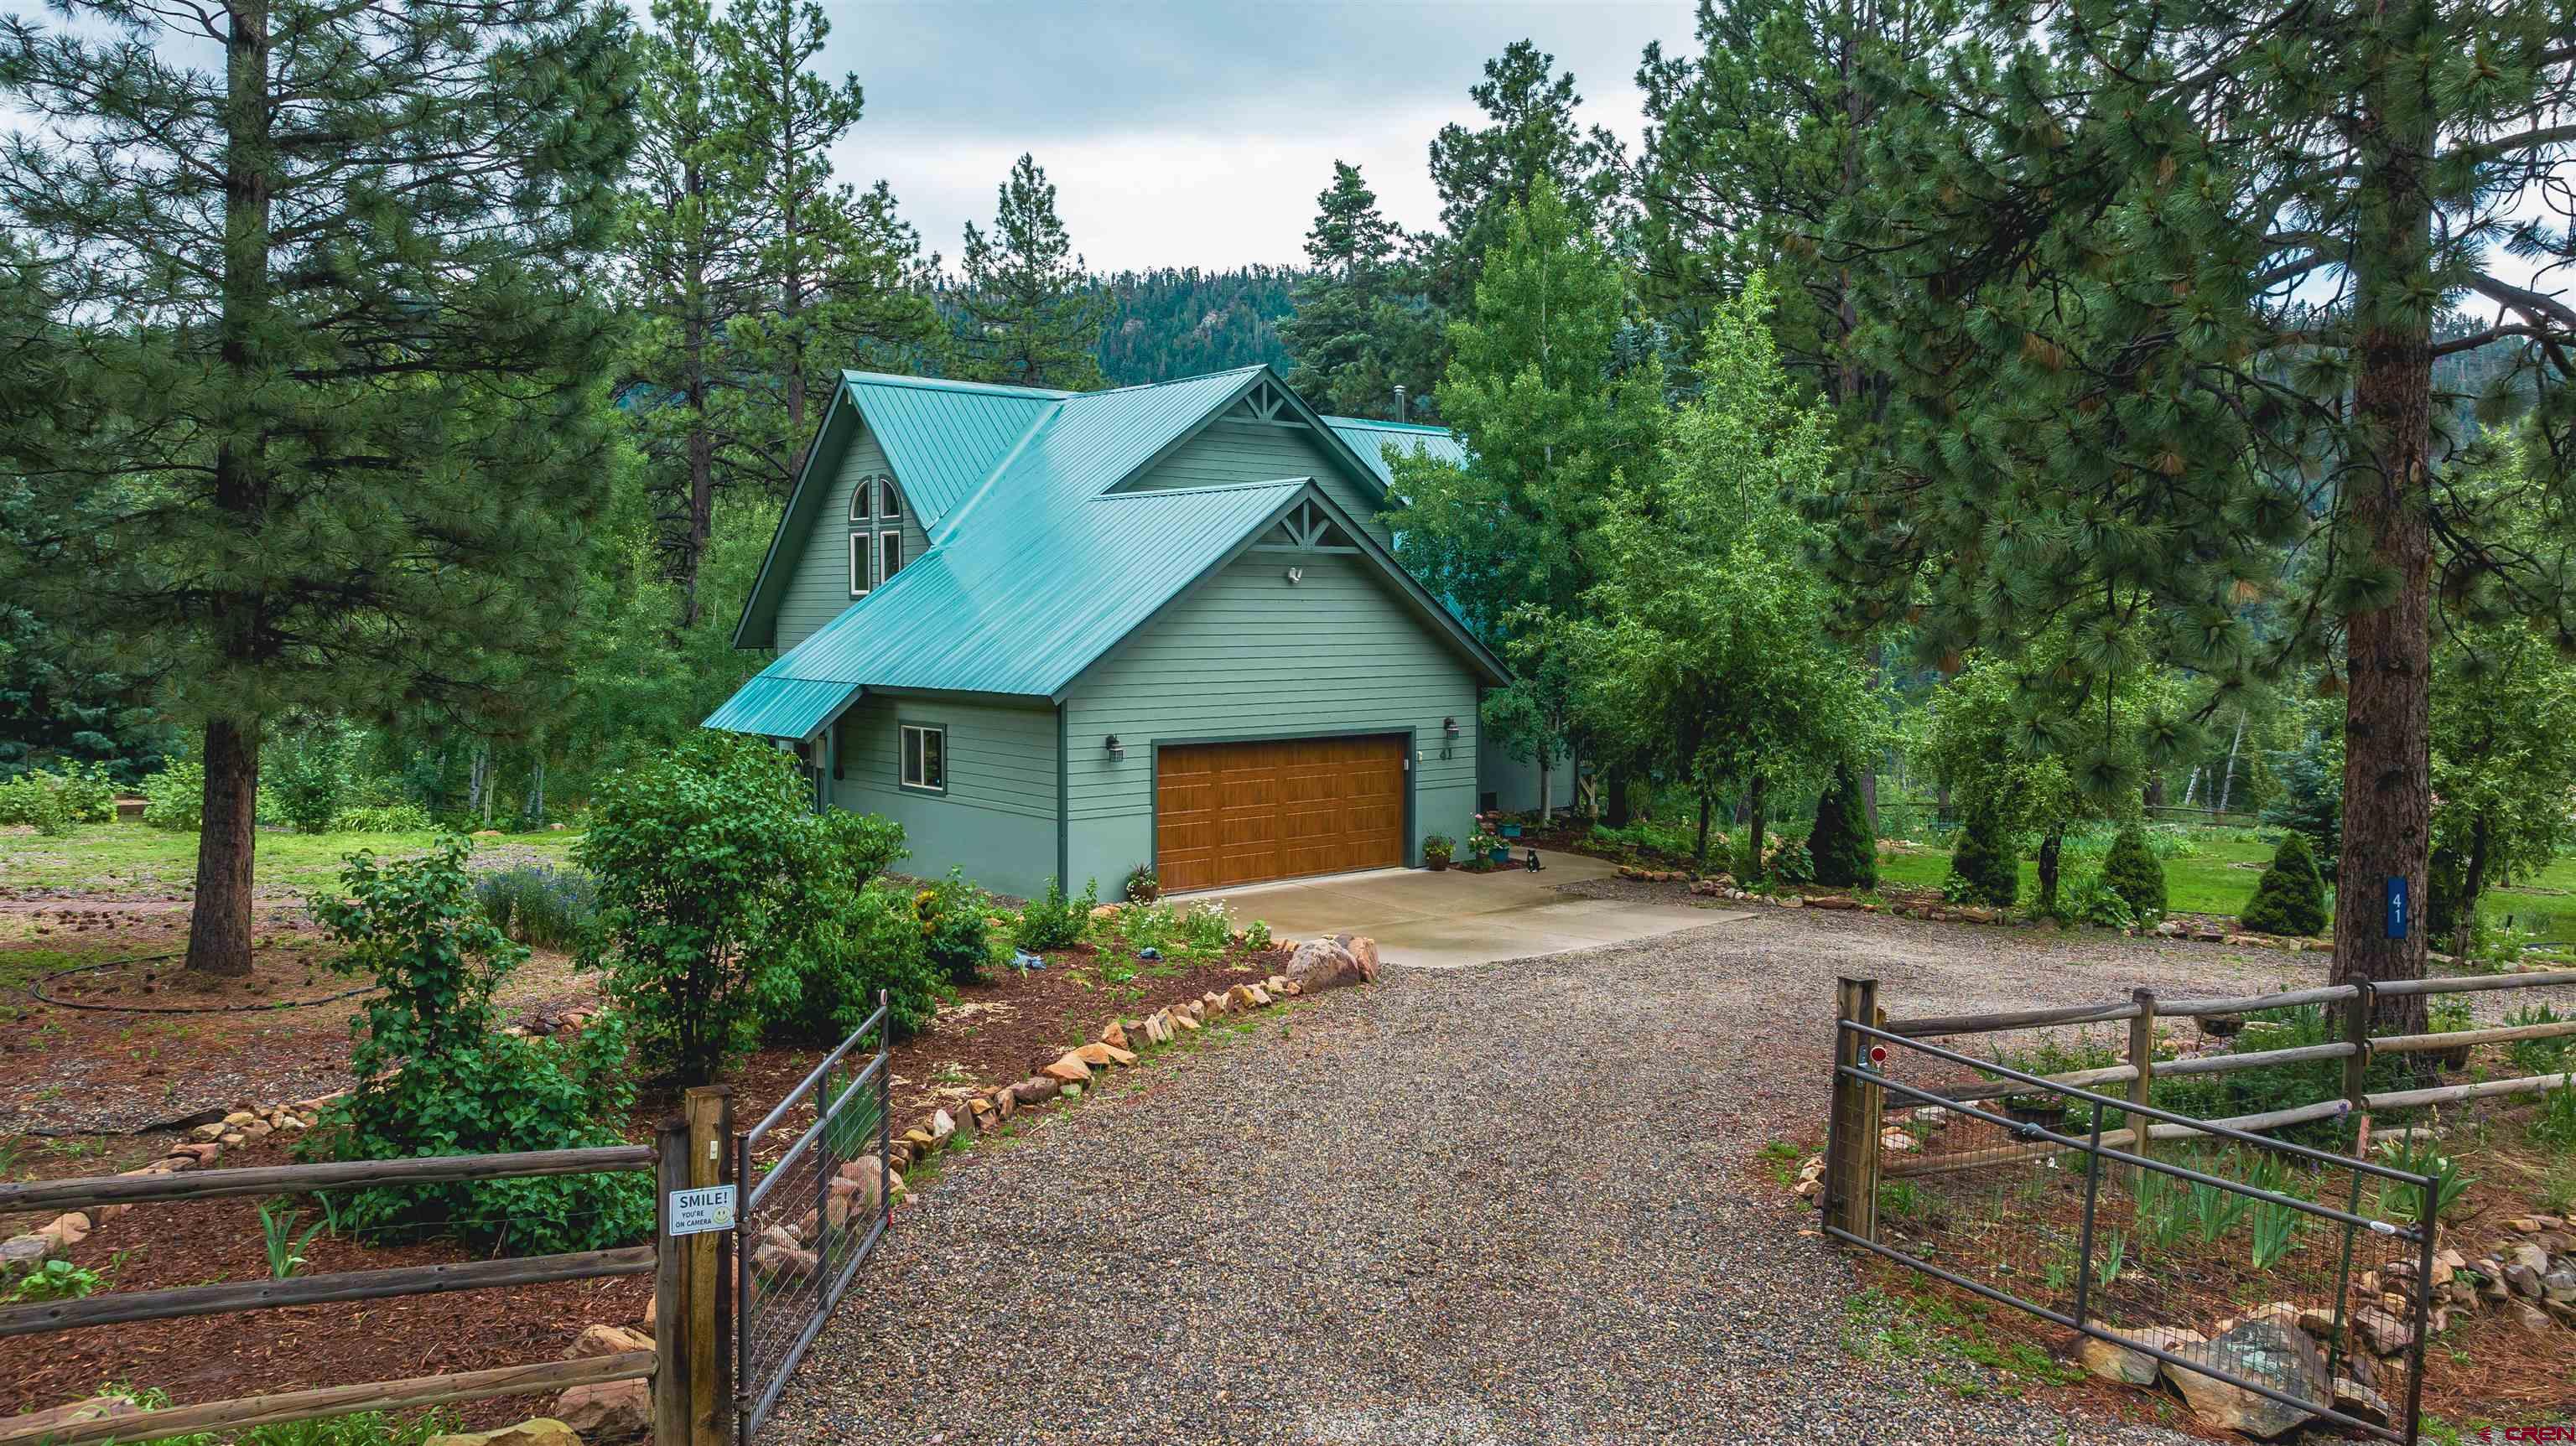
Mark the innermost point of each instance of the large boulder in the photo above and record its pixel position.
(607, 1340)
(543, 1431)
(1328, 963)
(2281, 1357)
(608, 1410)
(1363, 949)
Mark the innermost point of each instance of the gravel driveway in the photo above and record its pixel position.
(1509, 1204)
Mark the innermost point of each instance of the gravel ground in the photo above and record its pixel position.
(1508, 1204)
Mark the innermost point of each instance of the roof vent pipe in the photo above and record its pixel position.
(1399, 404)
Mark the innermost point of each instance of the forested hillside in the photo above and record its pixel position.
(1177, 323)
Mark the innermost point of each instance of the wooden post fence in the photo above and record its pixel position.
(685, 1324)
(2142, 1064)
(708, 1111)
(1851, 1149)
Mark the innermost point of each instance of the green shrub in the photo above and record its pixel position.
(38, 800)
(2539, 1056)
(867, 939)
(175, 797)
(307, 773)
(863, 845)
(1142, 886)
(1983, 869)
(89, 794)
(1439, 848)
(381, 818)
(1846, 856)
(956, 931)
(539, 904)
(2290, 898)
(1207, 927)
(2132, 871)
(2093, 901)
(440, 1078)
(707, 858)
(1053, 921)
(2555, 1124)
(1790, 863)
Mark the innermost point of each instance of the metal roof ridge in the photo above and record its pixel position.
(952, 384)
(956, 515)
(1134, 493)
(1166, 382)
(1427, 428)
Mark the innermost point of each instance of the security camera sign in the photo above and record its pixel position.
(695, 1212)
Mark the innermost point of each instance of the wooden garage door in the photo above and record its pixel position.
(1238, 813)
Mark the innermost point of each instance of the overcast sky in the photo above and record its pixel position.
(1196, 134)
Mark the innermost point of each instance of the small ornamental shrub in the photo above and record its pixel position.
(1982, 869)
(1142, 886)
(1207, 927)
(868, 939)
(956, 931)
(1256, 936)
(1846, 857)
(2132, 871)
(1438, 849)
(175, 797)
(707, 859)
(1053, 921)
(2290, 898)
(2094, 901)
(440, 1078)
(89, 794)
(1790, 862)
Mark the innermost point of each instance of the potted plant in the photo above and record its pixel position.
(1436, 850)
(1489, 848)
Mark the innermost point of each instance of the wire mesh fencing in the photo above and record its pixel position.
(814, 1203)
(2271, 1283)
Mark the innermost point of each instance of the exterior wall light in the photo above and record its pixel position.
(1296, 575)
(1116, 748)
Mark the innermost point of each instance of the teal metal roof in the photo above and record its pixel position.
(1371, 438)
(944, 437)
(779, 707)
(1040, 564)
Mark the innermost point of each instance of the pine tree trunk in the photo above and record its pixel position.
(219, 931)
(2051, 849)
(2472, 883)
(1699, 850)
(1618, 795)
(2387, 797)
(219, 925)
(1756, 803)
(1546, 787)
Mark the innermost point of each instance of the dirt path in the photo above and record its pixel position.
(1510, 1204)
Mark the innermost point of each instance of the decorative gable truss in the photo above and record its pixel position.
(1266, 403)
(1306, 529)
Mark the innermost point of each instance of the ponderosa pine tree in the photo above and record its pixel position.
(692, 249)
(1359, 330)
(331, 433)
(837, 277)
(2159, 283)
(1484, 174)
(1026, 315)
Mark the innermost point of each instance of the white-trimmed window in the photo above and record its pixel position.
(925, 757)
(876, 533)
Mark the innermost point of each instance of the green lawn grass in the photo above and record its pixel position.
(2209, 881)
(130, 858)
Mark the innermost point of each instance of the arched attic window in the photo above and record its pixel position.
(876, 532)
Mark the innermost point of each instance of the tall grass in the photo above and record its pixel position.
(540, 905)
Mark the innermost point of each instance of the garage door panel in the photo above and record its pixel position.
(1235, 813)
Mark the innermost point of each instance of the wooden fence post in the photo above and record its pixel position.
(671, 1318)
(2358, 1011)
(708, 1111)
(1851, 1149)
(2142, 1058)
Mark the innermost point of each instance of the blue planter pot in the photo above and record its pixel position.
(1511, 830)
(1500, 856)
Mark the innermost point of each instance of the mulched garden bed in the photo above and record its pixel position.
(993, 1032)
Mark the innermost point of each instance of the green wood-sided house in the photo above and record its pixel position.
(1057, 635)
